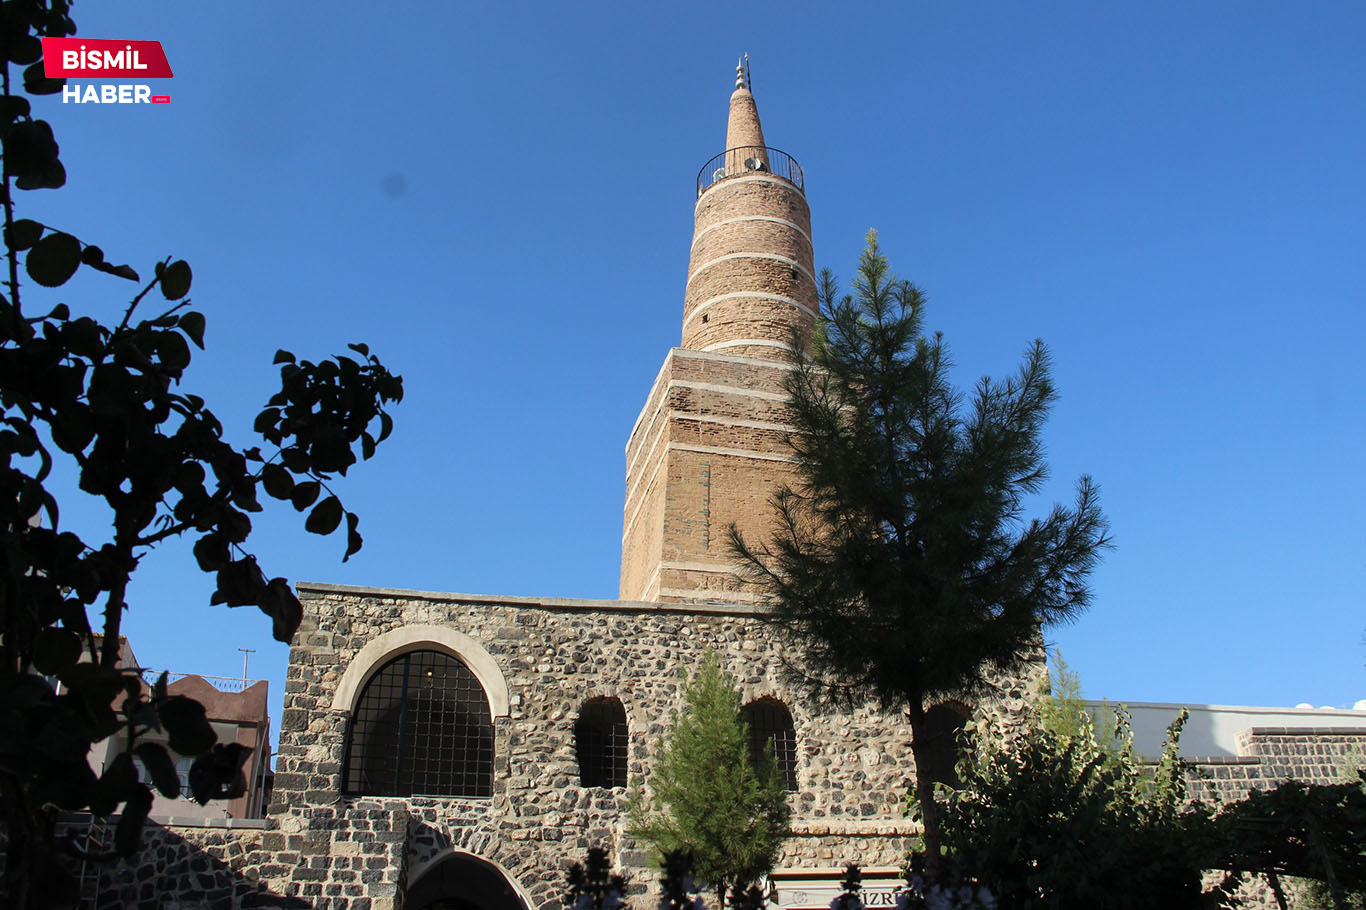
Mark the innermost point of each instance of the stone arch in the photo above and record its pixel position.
(456, 880)
(397, 642)
(420, 726)
(602, 742)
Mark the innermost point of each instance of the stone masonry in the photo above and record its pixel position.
(547, 658)
(708, 450)
(1269, 755)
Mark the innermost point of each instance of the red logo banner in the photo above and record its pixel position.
(104, 58)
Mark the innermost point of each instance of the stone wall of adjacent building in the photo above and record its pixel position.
(183, 864)
(853, 767)
(224, 864)
(1269, 755)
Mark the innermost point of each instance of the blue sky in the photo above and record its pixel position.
(498, 199)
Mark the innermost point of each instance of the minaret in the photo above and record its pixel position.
(750, 278)
(710, 445)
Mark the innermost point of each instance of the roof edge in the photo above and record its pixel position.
(1238, 709)
(547, 603)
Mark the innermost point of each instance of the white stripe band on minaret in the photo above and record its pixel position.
(749, 295)
(736, 181)
(796, 227)
(748, 342)
(772, 256)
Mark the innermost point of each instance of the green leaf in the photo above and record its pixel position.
(37, 83)
(239, 583)
(23, 234)
(325, 516)
(192, 324)
(218, 773)
(116, 784)
(54, 259)
(24, 48)
(92, 255)
(128, 834)
(361, 349)
(63, 737)
(12, 107)
(50, 175)
(174, 351)
(265, 422)
(175, 280)
(211, 551)
(278, 482)
(56, 650)
(305, 494)
(160, 768)
(124, 271)
(31, 155)
(283, 356)
(187, 726)
(353, 538)
(279, 603)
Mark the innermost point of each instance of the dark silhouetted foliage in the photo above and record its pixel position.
(106, 397)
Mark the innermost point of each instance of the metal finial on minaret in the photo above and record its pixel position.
(740, 73)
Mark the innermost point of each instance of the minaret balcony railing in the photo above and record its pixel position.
(747, 160)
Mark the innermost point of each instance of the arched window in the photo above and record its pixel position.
(771, 724)
(944, 725)
(600, 740)
(421, 727)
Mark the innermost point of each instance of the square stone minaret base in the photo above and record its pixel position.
(710, 448)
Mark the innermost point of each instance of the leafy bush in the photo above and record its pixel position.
(1057, 818)
(1311, 831)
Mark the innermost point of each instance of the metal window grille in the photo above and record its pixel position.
(422, 727)
(943, 743)
(600, 739)
(769, 722)
(182, 773)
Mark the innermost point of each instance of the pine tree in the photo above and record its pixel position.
(707, 797)
(903, 568)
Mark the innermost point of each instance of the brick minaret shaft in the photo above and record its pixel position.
(750, 276)
(710, 445)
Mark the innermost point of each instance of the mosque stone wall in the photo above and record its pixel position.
(853, 768)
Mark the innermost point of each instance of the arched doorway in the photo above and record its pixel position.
(460, 881)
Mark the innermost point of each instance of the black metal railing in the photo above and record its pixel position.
(750, 159)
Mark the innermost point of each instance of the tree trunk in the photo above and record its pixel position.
(924, 789)
(1279, 893)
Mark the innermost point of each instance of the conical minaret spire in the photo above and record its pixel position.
(711, 443)
(742, 128)
(750, 279)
